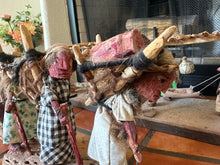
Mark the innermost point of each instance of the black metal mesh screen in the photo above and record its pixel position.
(108, 18)
(195, 16)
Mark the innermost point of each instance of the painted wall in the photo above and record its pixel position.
(55, 20)
(11, 6)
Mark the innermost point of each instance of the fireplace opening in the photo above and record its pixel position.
(109, 18)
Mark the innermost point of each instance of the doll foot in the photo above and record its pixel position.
(138, 157)
(137, 153)
(14, 147)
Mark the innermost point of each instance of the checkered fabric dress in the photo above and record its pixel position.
(55, 144)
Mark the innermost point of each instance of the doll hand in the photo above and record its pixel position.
(137, 153)
(10, 104)
(10, 107)
(63, 115)
(61, 111)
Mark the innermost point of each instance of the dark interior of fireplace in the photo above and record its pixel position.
(109, 18)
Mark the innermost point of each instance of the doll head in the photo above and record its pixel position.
(150, 85)
(62, 65)
(59, 62)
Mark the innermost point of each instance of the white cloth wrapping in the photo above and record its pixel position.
(103, 147)
(121, 108)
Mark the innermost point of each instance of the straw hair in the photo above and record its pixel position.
(51, 54)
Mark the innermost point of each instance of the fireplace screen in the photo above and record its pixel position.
(111, 17)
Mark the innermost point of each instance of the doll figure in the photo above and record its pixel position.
(51, 130)
(116, 68)
(26, 112)
(114, 129)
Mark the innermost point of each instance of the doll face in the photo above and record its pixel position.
(150, 85)
(62, 66)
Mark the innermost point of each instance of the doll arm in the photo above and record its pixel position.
(10, 104)
(62, 112)
(11, 108)
(132, 139)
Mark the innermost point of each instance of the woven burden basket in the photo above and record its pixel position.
(29, 82)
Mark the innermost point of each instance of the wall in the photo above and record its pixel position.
(11, 6)
(55, 22)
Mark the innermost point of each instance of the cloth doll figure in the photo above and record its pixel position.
(113, 126)
(52, 133)
(117, 63)
(27, 114)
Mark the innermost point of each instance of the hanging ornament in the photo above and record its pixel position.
(186, 66)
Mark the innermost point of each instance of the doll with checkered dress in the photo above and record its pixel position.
(52, 133)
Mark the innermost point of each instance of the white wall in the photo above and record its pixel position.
(55, 22)
(11, 6)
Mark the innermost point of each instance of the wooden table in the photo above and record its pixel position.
(193, 118)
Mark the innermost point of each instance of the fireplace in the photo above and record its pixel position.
(111, 17)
